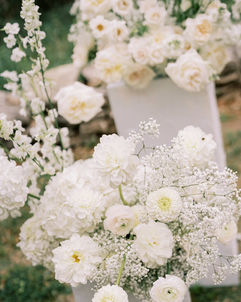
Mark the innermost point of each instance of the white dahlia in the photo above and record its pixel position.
(169, 289)
(154, 243)
(110, 293)
(76, 259)
(115, 160)
(164, 204)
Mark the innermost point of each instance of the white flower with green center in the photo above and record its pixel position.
(169, 289)
(76, 260)
(110, 293)
(227, 233)
(164, 204)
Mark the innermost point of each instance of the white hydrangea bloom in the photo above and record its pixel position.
(76, 260)
(154, 243)
(198, 147)
(168, 289)
(119, 220)
(115, 160)
(35, 243)
(78, 102)
(17, 55)
(227, 233)
(164, 204)
(13, 185)
(112, 293)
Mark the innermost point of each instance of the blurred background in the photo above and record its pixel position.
(19, 280)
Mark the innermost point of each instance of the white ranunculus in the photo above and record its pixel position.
(119, 220)
(138, 76)
(80, 56)
(173, 46)
(155, 16)
(169, 289)
(190, 71)
(110, 293)
(110, 65)
(198, 147)
(216, 54)
(185, 5)
(115, 160)
(227, 233)
(164, 204)
(153, 243)
(76, 259)
(138, 47)
(117, 31)
(99, 26)
(122, 7)
(78, 102)
(198, 31)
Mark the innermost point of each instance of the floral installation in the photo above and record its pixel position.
(134, 218)
(137, 41)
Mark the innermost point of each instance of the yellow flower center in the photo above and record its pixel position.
(77, 257)
(164, 203)
(204, 27)
(100, 27)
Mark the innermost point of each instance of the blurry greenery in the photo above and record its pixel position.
(232, 141)
(30, 284)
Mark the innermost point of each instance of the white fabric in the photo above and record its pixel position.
(83, 293)
(173, 108)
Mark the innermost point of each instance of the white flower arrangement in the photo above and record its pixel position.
(146, 224)
(164, 37)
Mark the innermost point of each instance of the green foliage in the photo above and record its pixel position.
(139, 29)
(232, 142)
(28, 284)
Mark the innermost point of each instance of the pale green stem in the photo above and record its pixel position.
(33, 196)
(122, 197)
(121, 270)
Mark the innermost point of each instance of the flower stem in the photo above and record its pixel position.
(168, 268)
(121, 270)
(122, 197)
(33, 196)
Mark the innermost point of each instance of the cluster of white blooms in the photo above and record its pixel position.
(148, 224)
(135, 41)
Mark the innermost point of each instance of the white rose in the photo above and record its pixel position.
(80, 56)
(198, 147)
(156, 54)
(138, 76)
(185, 5)
(198, 31)
(110, 65)
(164, 204)
(99, 26)
(144, 5)
(78, 102)
(92, 8)
(118, 31)
(169, 289)
(153, 243)
(110, 293)
(173, 46)
(115, 160)
(190, 71)
(122, 7)
(119, 220)
(227, 233)
(138, 47)
(216, 54)
(155, 16)
(158, 35)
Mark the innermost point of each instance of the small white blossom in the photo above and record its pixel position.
(10, 41)
(11, 28)
(111, 293)
(17, 55)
